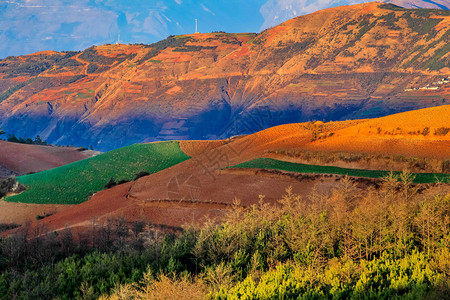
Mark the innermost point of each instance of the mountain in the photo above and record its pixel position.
(367, 60)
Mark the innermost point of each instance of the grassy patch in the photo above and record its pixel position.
(74, 183)
(269, 163)
(81, 95)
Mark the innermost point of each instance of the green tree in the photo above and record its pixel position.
(37, 140)
(12, 138)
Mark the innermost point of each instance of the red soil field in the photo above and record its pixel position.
(23, 158)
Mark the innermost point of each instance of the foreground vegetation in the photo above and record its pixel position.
(274, 164)
(386, 243)
(75, 182)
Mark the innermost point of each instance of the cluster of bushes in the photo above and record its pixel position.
(8, 185)
(112, 182)
(375, 244)
(37, 140)
(171, 41)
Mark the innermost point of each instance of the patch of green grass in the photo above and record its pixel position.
(75, 182)
(180, 36)
(155, 61)
(68, 92)
(273, 164)
(82, 95)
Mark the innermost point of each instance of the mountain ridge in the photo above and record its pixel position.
(339, 63)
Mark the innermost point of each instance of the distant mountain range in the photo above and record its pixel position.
(349, 62)
(28, 26)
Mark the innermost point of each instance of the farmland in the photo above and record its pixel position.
(74, 183)
(273, 164)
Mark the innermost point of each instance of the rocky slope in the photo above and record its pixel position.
(366, 60)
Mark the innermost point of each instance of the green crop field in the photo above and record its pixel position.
(273, 164)
(75, 182)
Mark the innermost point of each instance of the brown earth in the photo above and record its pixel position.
(20, 159)
(351, 62)
(199, 188)
(20, 213)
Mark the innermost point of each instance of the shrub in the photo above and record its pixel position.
(91, 68)
(111, 183)
(441, 131)
(10, 185)
(446, 166)
(141, 174)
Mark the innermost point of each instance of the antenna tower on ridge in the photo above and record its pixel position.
(196, 26)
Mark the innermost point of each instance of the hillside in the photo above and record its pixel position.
(204, 186)
(75, 183)
(360, 61)
(21, 159)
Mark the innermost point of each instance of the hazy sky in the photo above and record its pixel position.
(27, 26)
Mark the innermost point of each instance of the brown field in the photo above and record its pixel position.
(20, 213)
(23, 158)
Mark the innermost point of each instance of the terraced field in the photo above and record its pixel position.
(74, 183)
(273, 164)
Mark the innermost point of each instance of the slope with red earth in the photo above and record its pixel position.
(199, 188)
(22, 159)
(342, 63)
